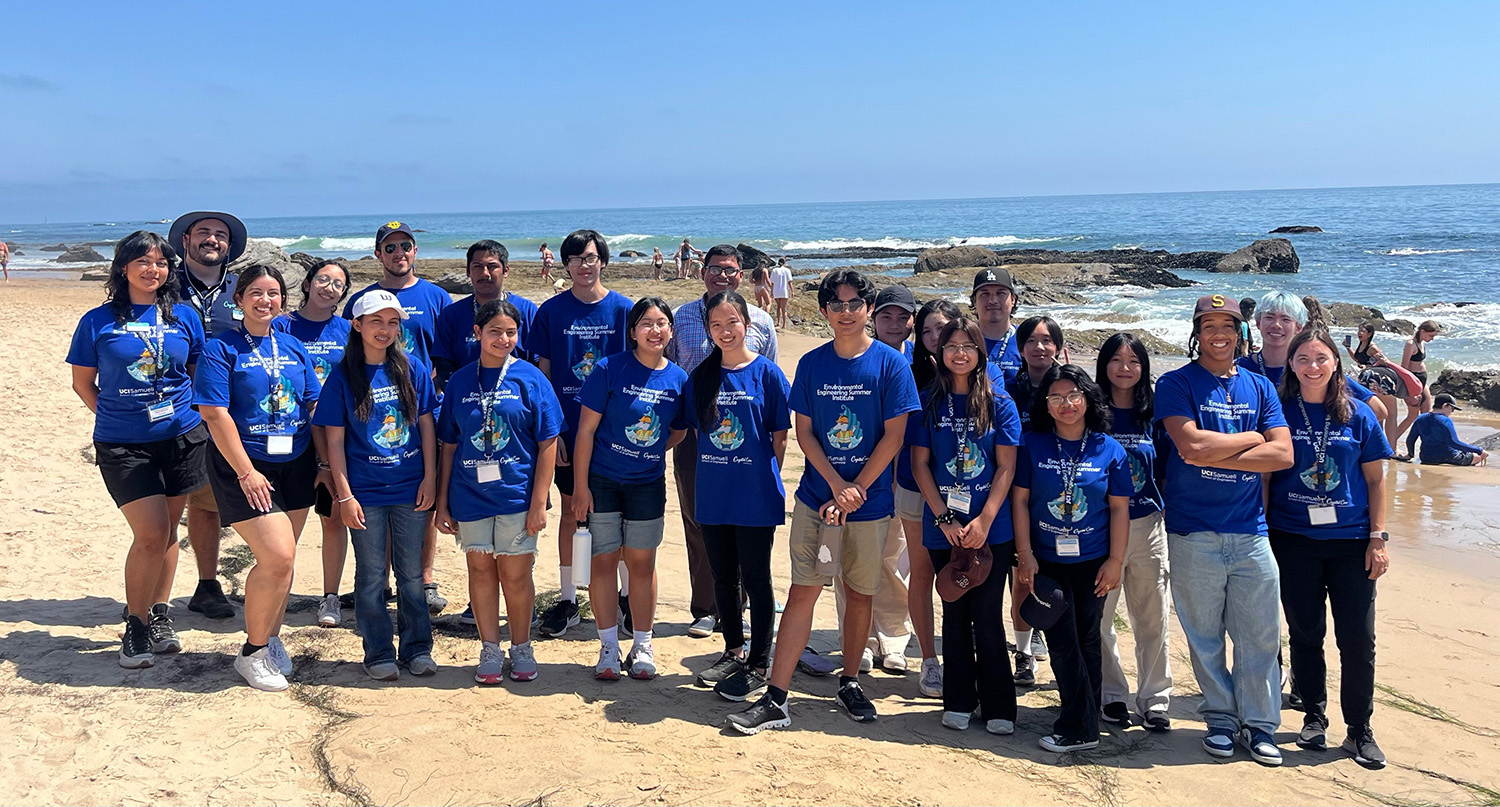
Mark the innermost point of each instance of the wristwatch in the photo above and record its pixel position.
(1381, 534)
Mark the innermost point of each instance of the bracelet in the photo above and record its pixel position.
(245, 475)
(323, 466)
(946, 518)
(348, 498)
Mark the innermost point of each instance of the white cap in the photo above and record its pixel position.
(377, 300)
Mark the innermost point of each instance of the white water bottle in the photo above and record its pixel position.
(583, 557)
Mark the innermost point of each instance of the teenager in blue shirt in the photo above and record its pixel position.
(499, 428)
(324, 333)
(963, 455)
(1124, 370)
(851, 397)
(736, 402)
(1280, 316)
(1071, 507)
(455, 344)
(993, 299)
(630, 416)
(376, 410)
(133, 360)
(1327, 522)
(572, 332)
(256, 389)
(1440, 443)
(1227, 430)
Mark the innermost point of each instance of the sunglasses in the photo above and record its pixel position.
(406, 246)
(840, 306)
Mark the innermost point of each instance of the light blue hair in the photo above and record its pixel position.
(1282, 302)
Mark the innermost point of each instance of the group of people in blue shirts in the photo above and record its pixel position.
(1006, 468)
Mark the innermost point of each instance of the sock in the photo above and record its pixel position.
(251, 649)
(777, 695)
(330, 594)
(610, 636)
(495, 645)
(1023, 641)
(565, 576)
(513, 645)
(844, 680)
(624, 580)
(642, 638)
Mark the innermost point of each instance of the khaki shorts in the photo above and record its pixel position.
(908, 504)
(860, 554)
(203, 499)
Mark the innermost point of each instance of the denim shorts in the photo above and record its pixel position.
(630, 515)
(497, 535)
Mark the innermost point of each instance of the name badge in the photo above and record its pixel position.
(1067, 546)
(1319, 515)
(488, 470)
(160, 411)
(959, 500)
(138, 327)
(279, 444)
(238, 313)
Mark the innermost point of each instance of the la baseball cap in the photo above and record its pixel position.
(1445, 399)
(1217, 304)
(993, 277)
(377, 300)
(899, 296)
(392, 227)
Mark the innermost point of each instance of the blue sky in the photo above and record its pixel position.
(144, 110)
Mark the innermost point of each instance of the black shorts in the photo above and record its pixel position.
(171, 467)
(564, 479)
(636, 501)
(291, 485)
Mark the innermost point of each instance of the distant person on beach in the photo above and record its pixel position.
(1227, 430)
(781, 291)
(684, 256)
(455, 344)
(762, 280)
(1361, 352)
(573, 330)
(132, 361)
(850, 399)
(5, 260)
(547, 260)
(1279, 317)
(657, 259)
(1391, 384)
(1440, 443)
(994, 301)
(207, 241)
(1414, 358)
(1247, 311)
(256, 389)
(1326, 515)
(499, 427)
(317, 325)
(381, 444)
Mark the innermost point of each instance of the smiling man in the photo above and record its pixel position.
(1280, 316)
(456, 344)
(994, 301)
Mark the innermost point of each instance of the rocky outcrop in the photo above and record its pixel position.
(1352, 315)
(55, 248)
(632, 253)
(1090, 340)
(932, 260)
(455, 283)
(80, 253)
(940, 258)
(1266, 256)
(1489, 442)
(752, 258)
(1296, 229)
(1430, 306)
(306, 261)
(1480, 386)
(261, 251)
(95, 275)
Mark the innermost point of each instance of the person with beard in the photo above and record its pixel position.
(994, 301)
(208, 241)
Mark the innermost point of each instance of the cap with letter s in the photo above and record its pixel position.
(1217, 304)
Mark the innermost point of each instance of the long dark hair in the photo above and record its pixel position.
(1096, 418)
(117, 289)
(981, 403)
(923, 362)
(1337, 400)
(255, 272)
(397, 368)
(1142, 394)
(638, 311)
(709, 374)
(312, 272)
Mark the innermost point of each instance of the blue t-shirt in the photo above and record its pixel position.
(1005, 353)
(640, 408)
(525, 414)
(1102, 471)
(456, 341)
(1020, 390)
(904, 476)
(849, 401)
(1215, 499)
(422, 301)
(325, 341)
(1440, 443)
(1339, 481)
(1141, 442)
(384, 453)
(734, 451)
(574, 336)
(939, 431)
(1256, 363)
(236, 373)
(126, 356)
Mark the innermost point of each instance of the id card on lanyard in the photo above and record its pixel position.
(1324, 512)
(1068, 545)
(959, 498)
(154, 335)
(488, 468)
(275, 443)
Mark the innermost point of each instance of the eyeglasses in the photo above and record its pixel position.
(966, 347)
(840, 306)
(329, 281)
(406, 246)
(721, 271)
(591, 261)
(1075, 398)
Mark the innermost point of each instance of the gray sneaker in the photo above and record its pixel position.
(329, 612)
(422, 665)
(491, 663)
(1038, 646)
(522, 663)
(278, 655)
(383, 671)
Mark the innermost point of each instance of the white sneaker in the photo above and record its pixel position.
(259, 671)
(278, 655)
(703, 627)
(608, 668)
(958, 721)
(931, 682)
(894, 663)
(867, 660)
(329, 614)
(998, 726)
(491, 664)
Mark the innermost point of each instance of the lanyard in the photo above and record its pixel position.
(273, 369)
(1319, 446)
(1070, 469)
(204, 302)
(960, 475)
(487, 401)
(156, 345)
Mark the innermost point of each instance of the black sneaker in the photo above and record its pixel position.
(164, 637)
(742, 686)
(135, 647)
(727, 665)
(625, 612)
(1115, 714)
(764, 714)
(1361, 743)
(558, 619)
(209, 600)
(1314, 734)
(1157, 721)
(1025, 670)
(853, 699)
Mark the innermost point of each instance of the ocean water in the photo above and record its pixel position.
(1392, 248)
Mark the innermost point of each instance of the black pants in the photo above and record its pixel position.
(976, 666)
(742, 555)
(1074, 644)
(1313, 571)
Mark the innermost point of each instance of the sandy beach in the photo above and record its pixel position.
(75, 728)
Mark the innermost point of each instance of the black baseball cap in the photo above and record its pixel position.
(1045, 604)
(392, 227)
(993, 277)
(1445, 399)
(899, 296)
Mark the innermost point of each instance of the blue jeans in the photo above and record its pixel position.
(406, 527)
(1228, 583)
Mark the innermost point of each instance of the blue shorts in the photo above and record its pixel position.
(630, 515)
